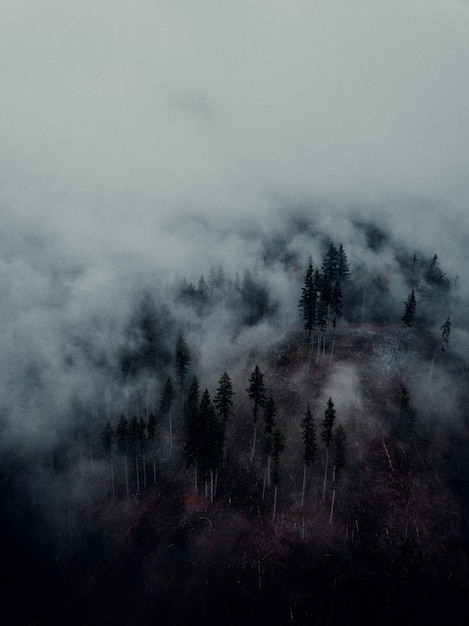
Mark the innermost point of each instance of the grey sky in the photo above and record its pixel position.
(147, 138)
(120, 118)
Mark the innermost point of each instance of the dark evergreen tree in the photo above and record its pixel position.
(151, 433)
(223, 399)
(309, 446)
(182, 358)
(278, 446)
(257, 393)
(166, 403)
(343, 269)
(340, 449)
(135, 442)
(307, 302)
(326, 436)
(410, 306)
(330, 264)
(269, 419)
(107, 438)
(445, 333)
(434, 274)
(336, 310)
(340, 458)
(210, 440)
(122, 439)
(122, 434)
(191, 426)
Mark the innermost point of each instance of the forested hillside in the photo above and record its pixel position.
(251, 454)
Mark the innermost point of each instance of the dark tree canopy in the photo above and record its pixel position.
(167, 396)
(223, 399)
(409, 312)
(340, 449)
(309, 437)
(191, 423)
(257, 390)
(182, 358)
(328, 423)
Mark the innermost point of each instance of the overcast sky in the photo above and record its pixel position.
(121, 120)
(143, 138)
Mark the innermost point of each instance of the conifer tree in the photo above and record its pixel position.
(410, 306)
(444, 338)
(343, 269)
(182, 358)
(340, 458)
(310, 446)
(107, 439)
(257, 394)
(151, 432)
(166, 404)
(191, 427)
(269, 419)
(209, 448)
(330, 263)
(122, 439)
(135, 441)
(278, 446)
(307, 302)
(223, 399)
(336, 310)
(326, 436)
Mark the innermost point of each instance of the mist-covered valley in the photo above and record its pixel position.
(98, 454)
(234, 336)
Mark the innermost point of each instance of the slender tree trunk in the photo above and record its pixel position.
(144, 471)
(274, 512)
(253, 450)
(195, 479)
(325, 476)
(332, 347)
(318, 346)
(137, 474)
(126, 467)
(334, 489)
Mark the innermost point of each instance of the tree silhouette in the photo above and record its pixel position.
(257, 393)
(278, 446)
(269, 419)
(410, 306)
(340, 459)
(182, 358)
(308, 299)
(326, 436)
(310, 446)
(166, 403)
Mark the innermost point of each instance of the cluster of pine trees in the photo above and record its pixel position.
(321, 298)
(133, 442)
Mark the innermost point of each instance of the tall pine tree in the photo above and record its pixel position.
(257, 393)
(309, 446)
